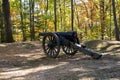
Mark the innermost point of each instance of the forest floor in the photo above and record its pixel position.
(26, 61)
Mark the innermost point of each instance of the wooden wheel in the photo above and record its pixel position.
(69, 49)
(51, 45)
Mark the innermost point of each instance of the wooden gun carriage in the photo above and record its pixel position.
(68, 41)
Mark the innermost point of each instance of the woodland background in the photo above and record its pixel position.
(22, 20)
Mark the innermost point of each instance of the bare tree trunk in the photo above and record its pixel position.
(1, 25)
(32, 33)
(115, 22)
(55, 16)
(46, 12)
(7, 21)
(72, 16)
(102, 16)
(110, 34)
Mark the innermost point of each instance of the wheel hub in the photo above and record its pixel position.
(51, 44)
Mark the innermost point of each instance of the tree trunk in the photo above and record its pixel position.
(102, 18)
(46, 12)
(72, 16)
(110, 34)
(7, 21)
(32, 33)
(115, 22)
(55, 16)
(1, 24)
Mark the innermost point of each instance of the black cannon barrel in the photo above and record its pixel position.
(71, 35)
(63, 34)
(67, 34)
(44, 33)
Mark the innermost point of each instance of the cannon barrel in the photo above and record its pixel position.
(63, 34)
(67, 34)
(71, 36)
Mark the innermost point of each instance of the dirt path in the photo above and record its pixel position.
(26, 61)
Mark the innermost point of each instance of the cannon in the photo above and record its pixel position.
(68, 41)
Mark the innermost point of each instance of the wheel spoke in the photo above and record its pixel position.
(55, 50)
(49, 37)
(47, 50)
(53, 54)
